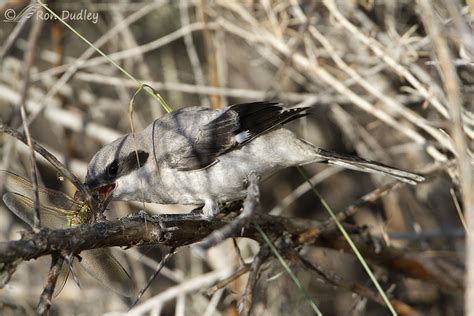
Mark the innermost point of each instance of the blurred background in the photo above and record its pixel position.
(368, 68)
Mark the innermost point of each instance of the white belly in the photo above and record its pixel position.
(225, 180)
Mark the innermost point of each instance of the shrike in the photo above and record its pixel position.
(202, 156)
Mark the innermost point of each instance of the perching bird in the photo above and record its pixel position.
(202, 156)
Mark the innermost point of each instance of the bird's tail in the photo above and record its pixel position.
(361, 164)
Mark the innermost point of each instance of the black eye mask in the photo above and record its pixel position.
(133, 161)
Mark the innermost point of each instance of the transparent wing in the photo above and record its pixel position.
(22, 206)
(104, 267)
(17, 184)
(54, 210)
(62, 278)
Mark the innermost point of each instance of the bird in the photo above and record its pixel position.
(202, 156)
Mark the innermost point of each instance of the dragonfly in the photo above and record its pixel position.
(58, 210)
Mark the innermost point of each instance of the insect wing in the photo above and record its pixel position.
(22, 207)
(62, 278)
(104, 267)
(48, 197)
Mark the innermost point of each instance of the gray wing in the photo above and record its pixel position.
(199, 136)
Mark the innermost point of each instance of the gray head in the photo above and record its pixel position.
(113, 167)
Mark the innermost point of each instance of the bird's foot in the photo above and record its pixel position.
(210, 210)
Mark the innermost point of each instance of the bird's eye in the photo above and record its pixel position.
(112, 169)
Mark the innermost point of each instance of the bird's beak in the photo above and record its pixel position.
(104, 191)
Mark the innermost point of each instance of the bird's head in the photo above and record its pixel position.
(114, 171)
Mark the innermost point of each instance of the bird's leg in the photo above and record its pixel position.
(250, 205)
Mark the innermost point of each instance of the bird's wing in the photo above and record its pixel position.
(228, 129)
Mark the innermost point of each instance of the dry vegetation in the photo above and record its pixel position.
(391, 81)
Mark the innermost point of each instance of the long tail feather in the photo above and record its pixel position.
(360, 164)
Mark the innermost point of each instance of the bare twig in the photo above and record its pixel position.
(45, 298)
(194, 284)
(153, 276)
(378, 50)
(246, 301)
(223, 283)
(464, 161)
(211, 53)
(191, 50)
(29, 59)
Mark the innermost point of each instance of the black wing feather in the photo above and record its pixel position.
(238, 125)
(259, 117)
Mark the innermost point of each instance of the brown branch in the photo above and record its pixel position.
(169, 230)
(178, 230)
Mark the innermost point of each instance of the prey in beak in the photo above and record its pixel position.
(101, 194)
(105, 192)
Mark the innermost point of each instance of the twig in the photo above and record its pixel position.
(378, 50)
(237, 251)
(14, 35)
(45, 298)
(464, 161)
(248, 94)
(223, 283)
(409, 115)
(65, 118)
(191, 50)
(28, 60)
(246, 301)
(153, 276)
(211, 53)
(128, 53)
(194, 284)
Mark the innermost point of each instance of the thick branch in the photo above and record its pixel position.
(181, 229)
(169, 230)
